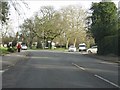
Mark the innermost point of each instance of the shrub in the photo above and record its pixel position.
(3, 50)
(12, 49)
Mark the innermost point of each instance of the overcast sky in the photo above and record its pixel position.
(35, 5)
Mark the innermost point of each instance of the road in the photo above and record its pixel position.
(53, 69)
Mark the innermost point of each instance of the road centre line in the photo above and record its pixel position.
(78, 66)
(107, 81)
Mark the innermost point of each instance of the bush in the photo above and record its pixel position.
(11, 49)
(3, 50)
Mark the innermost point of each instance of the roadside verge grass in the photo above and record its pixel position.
(3, 51)
(56, 49)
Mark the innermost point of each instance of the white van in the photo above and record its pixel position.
(82, 47)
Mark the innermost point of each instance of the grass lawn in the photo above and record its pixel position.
(56, 49)
(59, 49)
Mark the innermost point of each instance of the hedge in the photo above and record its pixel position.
(109, 45)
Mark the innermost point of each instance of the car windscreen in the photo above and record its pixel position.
(82, 46)
(94, 46)
(72, 47)
(23, 44)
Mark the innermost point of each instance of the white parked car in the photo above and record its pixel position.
(72, 48)
(23, 47)
(93, 49)
(82, 47)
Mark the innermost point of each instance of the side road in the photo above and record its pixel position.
(11, 59)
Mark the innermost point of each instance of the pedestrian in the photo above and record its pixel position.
(19, 47)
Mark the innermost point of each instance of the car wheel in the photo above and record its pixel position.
(89, 52)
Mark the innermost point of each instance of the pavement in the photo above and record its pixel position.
(109, 58)
(9, 60)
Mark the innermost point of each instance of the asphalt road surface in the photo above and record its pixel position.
(52, 69)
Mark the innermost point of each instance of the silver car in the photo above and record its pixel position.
(23, 47)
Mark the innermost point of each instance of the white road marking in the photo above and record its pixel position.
(78, 66)
(108, 63)
(107, 80)
(99, 77)
(2, 71)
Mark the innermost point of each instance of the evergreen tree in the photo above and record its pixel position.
(104, 21)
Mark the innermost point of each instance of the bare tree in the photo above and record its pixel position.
(74, 17)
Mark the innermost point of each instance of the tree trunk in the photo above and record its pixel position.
(75, 42)
(67, 43)
(31, 44)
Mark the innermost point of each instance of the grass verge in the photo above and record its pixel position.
(56, 49)
(3, 51)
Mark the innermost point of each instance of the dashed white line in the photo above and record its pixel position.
(78, 66)
(107, 81)
(99, 76)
